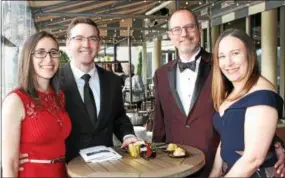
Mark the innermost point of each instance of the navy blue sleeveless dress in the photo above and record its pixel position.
(231, 125)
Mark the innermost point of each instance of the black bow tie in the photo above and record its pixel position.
(189, 65)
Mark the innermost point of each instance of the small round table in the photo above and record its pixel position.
(161, 166)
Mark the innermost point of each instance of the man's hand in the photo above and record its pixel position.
(22, 160)
(128, 140)
(280, 165)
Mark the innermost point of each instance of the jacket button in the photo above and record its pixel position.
(187, 126)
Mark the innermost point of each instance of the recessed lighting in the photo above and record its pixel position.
(186, 3)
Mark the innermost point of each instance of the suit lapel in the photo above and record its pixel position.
(172, 85)
(204, 69)
(104, 92)
(71, 89)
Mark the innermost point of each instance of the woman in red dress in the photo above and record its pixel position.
(34, 118)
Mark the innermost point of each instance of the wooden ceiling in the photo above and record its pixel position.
(113, 17)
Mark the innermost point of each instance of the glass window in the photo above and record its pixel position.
(17, 25)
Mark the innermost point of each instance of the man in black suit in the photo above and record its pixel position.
(95, 126)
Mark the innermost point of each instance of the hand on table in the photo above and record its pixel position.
(128, 140)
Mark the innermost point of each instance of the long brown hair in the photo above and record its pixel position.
(221, 86)
(26, 72)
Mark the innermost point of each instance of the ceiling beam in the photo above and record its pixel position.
(99, 10)
(66, 5)
(59, 27)
(65, 14)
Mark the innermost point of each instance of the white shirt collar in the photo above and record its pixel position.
(78, 73)
(192, 58)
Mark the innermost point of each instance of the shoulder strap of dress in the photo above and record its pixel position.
(261, 97)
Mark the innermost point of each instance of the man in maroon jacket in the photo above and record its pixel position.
(184, 108)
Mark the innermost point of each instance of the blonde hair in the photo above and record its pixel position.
(221, 86)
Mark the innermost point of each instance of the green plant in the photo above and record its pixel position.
(139, 65)
(64, 59)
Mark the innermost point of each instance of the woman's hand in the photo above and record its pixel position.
(280, 165)
(23, 158)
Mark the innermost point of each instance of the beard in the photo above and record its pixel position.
(192, 48)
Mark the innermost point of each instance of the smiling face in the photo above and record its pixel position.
(188, 40)
(233, 59)
(45, 67)
(81, 47)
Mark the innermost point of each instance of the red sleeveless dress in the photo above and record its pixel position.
(43, 133)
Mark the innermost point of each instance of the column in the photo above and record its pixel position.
(214, 35)
(144, 63)
(282, 54)
(269, 45)
(221, 28)
(209, 37)
(248, 26)
(156, 55)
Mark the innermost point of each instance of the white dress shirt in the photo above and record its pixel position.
(185, 83)
(93, 83)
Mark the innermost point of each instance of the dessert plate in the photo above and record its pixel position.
(167, 151)
(182, 156)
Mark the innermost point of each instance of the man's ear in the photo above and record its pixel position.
(200, 28)
(169, 34)
(99, 46)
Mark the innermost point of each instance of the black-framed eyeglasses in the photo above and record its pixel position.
(92, 39)
(178, 30)
(43, 54)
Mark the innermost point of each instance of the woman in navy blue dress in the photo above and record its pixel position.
(248, 108)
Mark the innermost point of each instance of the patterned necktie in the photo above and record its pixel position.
(189, 65)
(89, 99)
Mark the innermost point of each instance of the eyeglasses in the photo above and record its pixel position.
(43, 54)
(92, 39)
(178, 30)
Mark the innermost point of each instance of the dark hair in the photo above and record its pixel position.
(118, 67)
(26, 81)
(78, 20)
(221, 86)
(183, 9)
